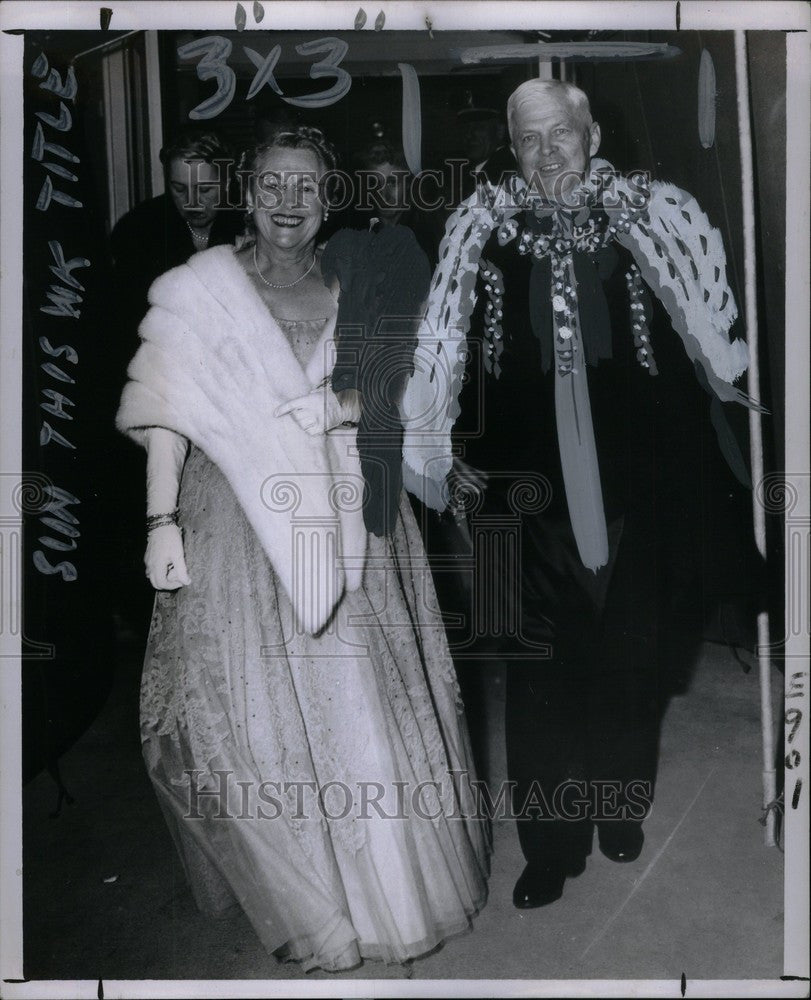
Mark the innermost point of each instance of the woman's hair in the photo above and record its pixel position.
(195, 144)
(297, 137)
(375, 154)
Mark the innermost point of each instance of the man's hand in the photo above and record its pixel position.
(464, 481)
(164, 560)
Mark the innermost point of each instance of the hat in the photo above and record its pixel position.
(473, 112)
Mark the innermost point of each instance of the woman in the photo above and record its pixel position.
(154, 237)
(300, 716)
(387, 197)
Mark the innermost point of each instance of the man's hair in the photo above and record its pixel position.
(538, 91)
(195, 144)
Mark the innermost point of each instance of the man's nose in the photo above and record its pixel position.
(548, 144)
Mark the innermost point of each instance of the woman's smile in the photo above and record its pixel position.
(287, 221)
(288, 210)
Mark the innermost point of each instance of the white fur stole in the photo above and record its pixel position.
(213, 366)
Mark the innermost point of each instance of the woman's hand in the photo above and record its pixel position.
(320, 410)
(164, 560)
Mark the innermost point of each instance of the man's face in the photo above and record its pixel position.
(194, 187)
(481, 140)
(553, 146)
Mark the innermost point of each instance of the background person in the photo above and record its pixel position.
(484, 135)
(385, 189)
(193, 213)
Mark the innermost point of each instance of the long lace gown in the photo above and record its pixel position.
(321, 783)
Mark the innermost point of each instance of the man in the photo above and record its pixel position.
(589, 455)
(483, 135)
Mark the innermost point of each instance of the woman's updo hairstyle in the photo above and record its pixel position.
(297, 137)
(196, 144)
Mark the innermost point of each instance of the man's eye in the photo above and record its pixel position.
(561, 130)
(526, 140)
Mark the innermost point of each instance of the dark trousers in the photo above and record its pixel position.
(582, 735)
(582, 725)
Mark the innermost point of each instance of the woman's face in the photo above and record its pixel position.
(194, 186)
(287, 210)
(392, 195)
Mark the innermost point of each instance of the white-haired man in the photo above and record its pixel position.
(553, 136)
(564, 338)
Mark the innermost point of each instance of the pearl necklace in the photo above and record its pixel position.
(272, 284)
(199, 240)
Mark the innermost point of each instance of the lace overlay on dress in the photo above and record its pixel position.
(270, 723)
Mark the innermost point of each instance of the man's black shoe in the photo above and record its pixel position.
(621, 840)
(540, 885)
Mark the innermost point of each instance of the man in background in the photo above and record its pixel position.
(484, 133)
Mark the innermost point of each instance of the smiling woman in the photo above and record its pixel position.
(287, 213)
(291, 648)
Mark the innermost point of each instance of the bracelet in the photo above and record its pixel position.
(159, 520)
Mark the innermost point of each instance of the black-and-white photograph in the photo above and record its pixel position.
(405, 499)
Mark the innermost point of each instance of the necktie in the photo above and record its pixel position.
(578, 451)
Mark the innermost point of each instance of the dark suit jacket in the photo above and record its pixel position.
(148, 240)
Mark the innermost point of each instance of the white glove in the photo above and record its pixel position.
(164, 560)
(321, 410)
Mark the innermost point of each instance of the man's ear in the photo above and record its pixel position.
(594, 138)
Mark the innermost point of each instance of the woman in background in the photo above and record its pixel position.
(388, 196)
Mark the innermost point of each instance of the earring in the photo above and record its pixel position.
(326, 214)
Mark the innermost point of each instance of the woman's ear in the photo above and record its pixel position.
(249, 204)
